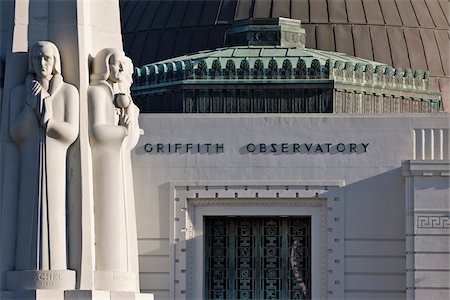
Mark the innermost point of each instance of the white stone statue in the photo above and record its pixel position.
(113, 133)
(130, 142)
(44, 116)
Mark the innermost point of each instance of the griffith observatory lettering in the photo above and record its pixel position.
(308, 148)
(258, 148)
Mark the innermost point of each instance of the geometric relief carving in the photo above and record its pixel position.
(258, 257)
(217, 260)
(431, 144)
(433, 222)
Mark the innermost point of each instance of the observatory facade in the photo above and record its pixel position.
(320, 148)
(257, 149)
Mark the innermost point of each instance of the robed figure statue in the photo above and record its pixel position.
(44, 116)
(113, 133)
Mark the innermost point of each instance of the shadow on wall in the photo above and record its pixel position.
(154, 253)
(375, 206)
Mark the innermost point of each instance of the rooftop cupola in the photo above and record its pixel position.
(267, 32)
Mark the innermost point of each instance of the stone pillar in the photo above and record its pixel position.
(80, 29)
(427, 212)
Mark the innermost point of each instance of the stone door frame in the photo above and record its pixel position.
(191, 201)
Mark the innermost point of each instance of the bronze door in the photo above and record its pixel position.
(257, 257)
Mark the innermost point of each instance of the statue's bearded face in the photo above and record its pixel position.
(116, 68)
(43, 60)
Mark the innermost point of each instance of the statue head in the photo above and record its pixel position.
(123, 99)
(128, 76)
(44, 59)
(109, 65)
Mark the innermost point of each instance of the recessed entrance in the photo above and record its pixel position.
(257, 257)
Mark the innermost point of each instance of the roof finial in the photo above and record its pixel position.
(267, 32)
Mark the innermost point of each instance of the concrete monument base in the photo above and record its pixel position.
(73, 295)
(105, 295)
(33, 295)
(114, 281)
(40, 280)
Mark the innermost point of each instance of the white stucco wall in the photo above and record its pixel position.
(373, 192)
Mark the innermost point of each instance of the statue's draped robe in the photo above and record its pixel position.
(129, 144)
(111, 145)
(43, 137)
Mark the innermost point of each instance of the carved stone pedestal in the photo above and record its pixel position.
(32, 295)
(40, 280)
(105, 295)
(73, 295)
(114, 281)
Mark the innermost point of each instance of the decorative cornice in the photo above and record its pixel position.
(278, 68)
(256, 201)
(426, 168)
(381, 76)
(229, 69)
(433, 221)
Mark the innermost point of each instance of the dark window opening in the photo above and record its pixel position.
(245, 99)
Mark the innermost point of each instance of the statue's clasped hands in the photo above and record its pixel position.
(41, 105)
(37, 88)
(124, 119)
(122, 101)
(32, 100)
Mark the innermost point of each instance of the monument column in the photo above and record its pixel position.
(80, 29)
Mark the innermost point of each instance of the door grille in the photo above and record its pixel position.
(257, 257)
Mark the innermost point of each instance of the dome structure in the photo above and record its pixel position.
(400, 33)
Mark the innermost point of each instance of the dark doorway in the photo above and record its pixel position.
(257, 257)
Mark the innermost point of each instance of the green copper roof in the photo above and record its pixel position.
(276, 63)
(249, 63)
(272, 51)
(265, 54)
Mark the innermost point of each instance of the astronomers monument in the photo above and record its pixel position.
(288, 150)
(68, 127)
